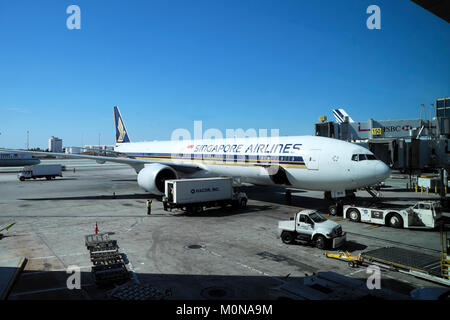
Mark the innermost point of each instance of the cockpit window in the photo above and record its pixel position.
(361, 157)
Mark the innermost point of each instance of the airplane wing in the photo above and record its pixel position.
(7, 226)
(135, 163)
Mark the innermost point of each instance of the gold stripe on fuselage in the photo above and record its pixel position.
(229, 162)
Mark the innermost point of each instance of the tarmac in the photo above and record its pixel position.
(217, 255)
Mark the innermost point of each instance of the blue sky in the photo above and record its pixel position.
(231, 63)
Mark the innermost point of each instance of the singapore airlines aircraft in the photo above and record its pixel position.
(302, 162)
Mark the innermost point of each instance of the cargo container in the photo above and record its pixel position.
(193, 195)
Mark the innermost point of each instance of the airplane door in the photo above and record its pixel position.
(312, 159)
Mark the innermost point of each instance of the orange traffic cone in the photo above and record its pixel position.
(96, 228)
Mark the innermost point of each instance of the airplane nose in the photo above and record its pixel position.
(382, 171)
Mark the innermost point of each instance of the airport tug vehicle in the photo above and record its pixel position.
(310, 227)
(423, 214)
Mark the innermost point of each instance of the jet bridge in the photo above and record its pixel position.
(405, 144)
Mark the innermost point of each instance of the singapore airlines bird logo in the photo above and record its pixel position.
(121, 129)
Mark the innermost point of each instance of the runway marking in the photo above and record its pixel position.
(375, 226)
(64, 255)
(45, 290)
(134, 225)
(354, 272)
(26, 273)
(236, 262)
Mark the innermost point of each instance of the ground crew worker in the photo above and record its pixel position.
(164, 201)
(149, 207)
(288, 196)
(96, 228)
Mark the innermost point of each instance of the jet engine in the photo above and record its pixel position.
(153, 177)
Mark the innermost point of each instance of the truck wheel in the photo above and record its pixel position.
(395, 221)
(243, 203)
(48, 178)
(354, 215)
(287, 237)
(321, 242)
(22, 179)
(333, 209)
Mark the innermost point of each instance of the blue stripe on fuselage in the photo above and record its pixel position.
(259, 159)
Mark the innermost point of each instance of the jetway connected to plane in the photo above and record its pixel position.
(409, 145)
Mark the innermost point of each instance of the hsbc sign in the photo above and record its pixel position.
(396, 128)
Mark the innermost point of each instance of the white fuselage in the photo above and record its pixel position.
(17, 159)
(303, 162)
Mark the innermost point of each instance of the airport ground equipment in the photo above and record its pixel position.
(47, 171)
(422, 215)
(109, 265)
(136, 291)
(5, 227)
(411, 262)
(194, 195)
(418, 264)
(309, 226)
(353, 261)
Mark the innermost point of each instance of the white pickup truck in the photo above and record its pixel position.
(423, 214)
(310, 226)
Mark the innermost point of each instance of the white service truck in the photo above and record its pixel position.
(47, 171)
(309, 226)
(423, 214)
(194, 195)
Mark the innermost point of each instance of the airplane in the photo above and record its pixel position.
(14, 159)
(297, 162)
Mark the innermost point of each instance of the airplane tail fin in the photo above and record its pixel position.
(341, 116)
(121, 131)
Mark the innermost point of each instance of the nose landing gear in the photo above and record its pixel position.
(336, 209)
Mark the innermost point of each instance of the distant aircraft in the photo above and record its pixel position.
(300, 162)
(17, 159)
(341, 116)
